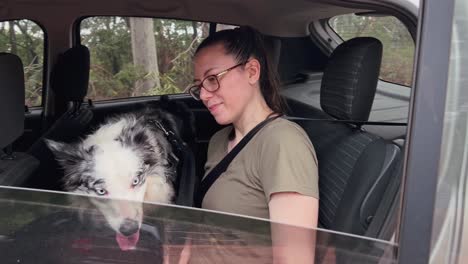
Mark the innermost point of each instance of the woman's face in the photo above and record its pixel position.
(235, 87)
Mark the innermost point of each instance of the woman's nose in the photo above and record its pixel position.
(204, 94)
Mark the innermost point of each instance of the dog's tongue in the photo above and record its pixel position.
(127, 242)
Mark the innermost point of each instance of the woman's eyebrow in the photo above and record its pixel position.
(205, 73)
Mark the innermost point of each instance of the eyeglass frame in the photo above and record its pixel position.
(217, 75)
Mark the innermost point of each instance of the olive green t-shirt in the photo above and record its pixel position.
(279, 158)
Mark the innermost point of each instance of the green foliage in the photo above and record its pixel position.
(26, 39)
(398, 46)
(113, 73)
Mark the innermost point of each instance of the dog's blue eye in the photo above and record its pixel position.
(100, 191)
(136, 181)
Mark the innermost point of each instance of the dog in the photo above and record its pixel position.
(129, 158)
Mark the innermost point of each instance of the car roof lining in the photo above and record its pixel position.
(277, 18)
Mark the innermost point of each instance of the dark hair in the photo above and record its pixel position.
(245, 42)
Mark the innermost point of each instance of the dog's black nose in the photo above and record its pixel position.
(128, 227)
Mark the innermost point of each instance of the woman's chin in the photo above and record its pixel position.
(222, 120)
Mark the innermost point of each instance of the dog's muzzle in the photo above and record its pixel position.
(128, 227)
(128, 235)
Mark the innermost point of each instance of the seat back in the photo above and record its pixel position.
(354, 166)
(15, 167)
(11, 99)
(70, 77)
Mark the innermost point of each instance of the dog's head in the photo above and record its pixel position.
(125, 165)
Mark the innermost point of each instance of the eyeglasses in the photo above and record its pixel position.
(210, 83)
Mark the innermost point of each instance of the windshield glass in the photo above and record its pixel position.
(46, 227)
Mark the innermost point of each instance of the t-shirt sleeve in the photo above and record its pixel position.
(288, 163)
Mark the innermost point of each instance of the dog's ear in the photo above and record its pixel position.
(65, 154)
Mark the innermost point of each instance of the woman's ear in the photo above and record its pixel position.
(253, 70)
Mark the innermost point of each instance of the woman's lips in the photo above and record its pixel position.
(214, 107)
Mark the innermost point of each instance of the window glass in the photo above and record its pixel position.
(133, 56)
(398, 46)
(220, 27)
(45, 227)
(25, 39)
(450, 222)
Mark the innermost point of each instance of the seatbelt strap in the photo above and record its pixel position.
(353, 122)
(221, 167)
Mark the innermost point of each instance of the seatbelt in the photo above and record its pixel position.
(221, 167)
(353, 122)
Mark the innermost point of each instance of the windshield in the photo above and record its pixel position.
(46, 227)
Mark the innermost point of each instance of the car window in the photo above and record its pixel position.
(220, 27)
(45, 227)
(303, 76)
(133, 56)
(25, 39)
(398, 46)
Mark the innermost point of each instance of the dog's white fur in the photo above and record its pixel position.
(115, 162)
(125, 159)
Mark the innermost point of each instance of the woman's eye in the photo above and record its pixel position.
(211, 79)
(136, 181)
(100, 191)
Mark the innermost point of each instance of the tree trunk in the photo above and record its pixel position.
(195, 31)
(13, 46)
(144, 54)
(205, 29)
(33, 57)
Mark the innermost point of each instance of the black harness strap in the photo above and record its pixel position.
(185, 159)
(175, 141)
(221, 167)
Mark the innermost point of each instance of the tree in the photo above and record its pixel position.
(13, 46)
(26, 40)
(144, 54)
(118, 62)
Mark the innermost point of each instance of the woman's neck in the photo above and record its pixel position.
(251, 116)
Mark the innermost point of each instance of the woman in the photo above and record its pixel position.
(275, 175)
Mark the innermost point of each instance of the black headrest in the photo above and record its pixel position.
(350, 79)
(11, 98)
(273, 49)
(71, 74)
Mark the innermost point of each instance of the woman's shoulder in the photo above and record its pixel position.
(282, 127)
(284, 133)
(284, 136)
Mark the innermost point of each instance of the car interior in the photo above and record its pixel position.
(332, 90)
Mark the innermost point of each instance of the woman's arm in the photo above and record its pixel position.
(292, 244)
